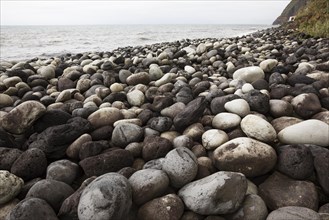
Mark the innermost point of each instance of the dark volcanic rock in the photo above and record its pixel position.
(32, 208)
(155, 147)
(54, 140)
(51, 118)
(30, 164)
(111, 161)
(92, 148)
(279, 190)
(191, 114)
(295, 161)
(257, 101)
(8, 157)
(217, 104)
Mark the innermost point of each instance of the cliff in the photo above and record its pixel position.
(291, 10)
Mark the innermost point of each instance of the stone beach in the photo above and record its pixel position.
(203, 129)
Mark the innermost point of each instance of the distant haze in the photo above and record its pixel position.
(53, 12)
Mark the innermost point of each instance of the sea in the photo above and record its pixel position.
(18, 43)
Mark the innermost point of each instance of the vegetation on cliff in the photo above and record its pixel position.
(313, 19)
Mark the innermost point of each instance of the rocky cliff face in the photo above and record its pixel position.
(291, 10)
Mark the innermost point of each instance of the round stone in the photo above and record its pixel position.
(213, 138)
(108, 197)
(238, 106)
(32, 208)
(226, 120)
(245, 155)
(249, 74)
(105, 116)
(5, 100)
(30, 164)
(293, 213)
(181, 165)
(166, 207)
(220, 193)
(136, 98)
(63, 170)
(126, 133)
(47, 71)
(256, 127)
(52, 191)
(148, 184)
(268, 65)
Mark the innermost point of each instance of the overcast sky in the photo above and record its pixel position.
(52, 12)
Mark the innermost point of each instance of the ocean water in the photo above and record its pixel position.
(27, 42)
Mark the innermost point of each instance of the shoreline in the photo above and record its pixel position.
(206, 127)
(138, 32)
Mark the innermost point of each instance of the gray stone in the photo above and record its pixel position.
(63, 170)
(69, 208)
(108, 197)
(181, 165)
(253, 208)
(220, 193)
(293, 213)
(168, 207)
(52, 191)
(32, 208)
(125, 133)
(148, 184)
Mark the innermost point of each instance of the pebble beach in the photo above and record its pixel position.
(197, 129)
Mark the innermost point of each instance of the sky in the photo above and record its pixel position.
(52, 12)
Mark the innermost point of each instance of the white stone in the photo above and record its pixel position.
(226, 120)
(201, 48)
(116, 87)
(249, 74)
(268, 65)
(10, 186)
(189, 69)
(213, 138)
(306, 132)
(238, 106)
(135, 98)
(247, 87)
(256, 127)
(165, 79)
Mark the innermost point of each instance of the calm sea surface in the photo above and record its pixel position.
(26, 42)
